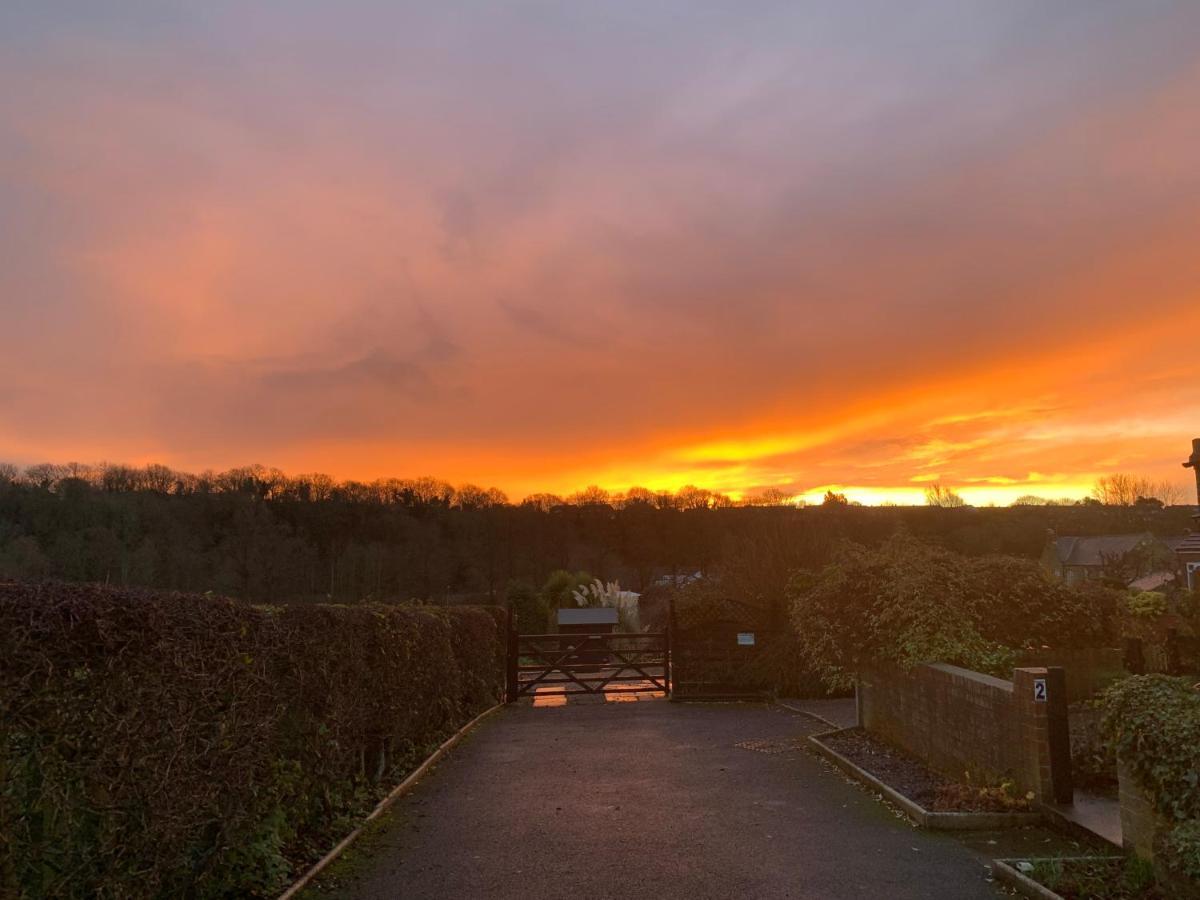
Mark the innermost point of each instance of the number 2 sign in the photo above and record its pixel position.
(1039, 690)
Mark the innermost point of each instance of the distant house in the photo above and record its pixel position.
(1141, 561)
(1188, 551)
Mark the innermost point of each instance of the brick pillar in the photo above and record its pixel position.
(1033, 731)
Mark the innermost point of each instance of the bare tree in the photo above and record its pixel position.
(543, 502)
(771, 496)
(1120, 489)
(1171, 494)
(937, 494)
(638, 495)
(45, 475)
(592, 495)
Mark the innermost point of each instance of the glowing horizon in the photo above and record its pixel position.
(545, 247)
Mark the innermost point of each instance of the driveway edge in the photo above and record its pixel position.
(397, 792)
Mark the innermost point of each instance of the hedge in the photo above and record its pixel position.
(1153, 723)
(156, 745)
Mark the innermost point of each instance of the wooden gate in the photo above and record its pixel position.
(569, 664)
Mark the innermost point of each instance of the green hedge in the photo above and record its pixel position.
(1153, 722)
(907, 602)
(162, 745)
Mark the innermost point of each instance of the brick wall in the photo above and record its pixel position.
(1089, 671)
(960, 721)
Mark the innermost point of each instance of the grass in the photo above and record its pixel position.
(1098, 879)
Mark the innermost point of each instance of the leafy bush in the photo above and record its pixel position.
(1180, 850)
(158, 745)
(533, 616)
(910, 602)
(1146, 604)
(1153, 722)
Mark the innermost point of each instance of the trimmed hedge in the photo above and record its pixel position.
(156, 745)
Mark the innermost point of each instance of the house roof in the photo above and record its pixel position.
(1190, 544)
(1152, 581)
(589, 615)
(1092, 551)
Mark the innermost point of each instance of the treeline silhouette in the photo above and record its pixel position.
(259, 534)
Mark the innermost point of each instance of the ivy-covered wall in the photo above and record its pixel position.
(1153, 722)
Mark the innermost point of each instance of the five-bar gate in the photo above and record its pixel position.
(568, 664)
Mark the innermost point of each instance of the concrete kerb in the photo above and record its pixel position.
(1007, 872)
(397, 792)
(809, 713)
(921, 817)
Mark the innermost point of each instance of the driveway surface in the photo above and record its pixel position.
(647, 800)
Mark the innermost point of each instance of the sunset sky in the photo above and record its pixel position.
(740, 245)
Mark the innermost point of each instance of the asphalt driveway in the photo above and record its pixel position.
(647, 800)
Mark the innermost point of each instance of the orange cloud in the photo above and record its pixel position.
(793, 253)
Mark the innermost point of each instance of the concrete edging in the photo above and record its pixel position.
(923, 818)
(809, 713)
(396, 793)
(1013, 877)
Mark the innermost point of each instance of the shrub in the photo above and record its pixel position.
(1179, 850)
(533, 616)
(159, 745)
(1153, 722)
(1146, 604)
(910, 602)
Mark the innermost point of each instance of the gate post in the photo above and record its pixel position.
(1135, 659)
(672, 633)
(1059, 734)
(1174, 659)
(511, 659)
(667, 660)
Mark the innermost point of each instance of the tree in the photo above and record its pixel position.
(638, 496)
(834, 499)
(542, 502)
(938, 494)
(559, 590)
(771, 496)
(1120, 489)
(528, 606)
(691, 497)
(592, 495)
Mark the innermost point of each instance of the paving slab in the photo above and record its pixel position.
(648, 800)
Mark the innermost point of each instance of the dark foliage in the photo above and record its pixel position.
(708, 619)
(256, 534)
(1153, 723)
(907, 602)
(169, 745)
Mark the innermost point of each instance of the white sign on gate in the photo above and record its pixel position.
(745, 638)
